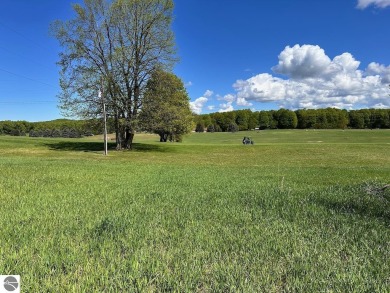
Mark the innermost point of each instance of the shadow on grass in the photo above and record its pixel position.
(95, 147)
(359, 203)
(161, 147)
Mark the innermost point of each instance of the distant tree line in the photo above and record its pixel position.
(15, 128)
(55, 128)
(66, 132)
(329, 118)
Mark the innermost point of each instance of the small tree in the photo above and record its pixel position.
(211, 128)
(199, 127)
(17, 132)
(166, 108)
(232, 127)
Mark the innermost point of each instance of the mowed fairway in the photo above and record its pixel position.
(299, 211)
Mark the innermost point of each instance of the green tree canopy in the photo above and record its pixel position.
(264, 120)
(286, 119)
(166, 109)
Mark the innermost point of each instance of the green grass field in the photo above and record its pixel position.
(299, 211)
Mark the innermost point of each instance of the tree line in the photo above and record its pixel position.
(170, 122)
(55, 128)
(329, 118)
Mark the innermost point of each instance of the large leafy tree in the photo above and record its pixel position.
(165, 107)
(264, 120)
(286, 119)
(114, 45)
(242, 118)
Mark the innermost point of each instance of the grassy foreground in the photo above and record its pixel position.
(299, 211)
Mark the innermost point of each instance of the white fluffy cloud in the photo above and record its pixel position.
(243, 102)
(314, 80)
(199, 103)
(228, 106)
(363, 4)
(208, 93)
(302, 61)
(381, 70)
(227, 98)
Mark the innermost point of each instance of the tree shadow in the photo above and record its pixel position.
(79, 146)
(143, 147)
(360, 204)
(95, 147)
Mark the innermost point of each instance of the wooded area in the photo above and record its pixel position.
(329, 118)
(239, 120)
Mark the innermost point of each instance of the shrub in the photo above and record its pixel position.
(232, 127)
(211, 128)
(17, 132)
(56, 133)
(199, 127)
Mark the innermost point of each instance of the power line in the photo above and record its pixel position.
(25, 57)
(30, 41)
(27, 102)
(26, 77)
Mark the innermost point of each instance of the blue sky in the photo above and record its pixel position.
(255, 54)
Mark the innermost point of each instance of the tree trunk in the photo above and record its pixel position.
(130, 142)
(126, 143)
(118, 140)
(117, 133)
(163, 137)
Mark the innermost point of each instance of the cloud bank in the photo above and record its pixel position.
(314, 80)
(305, 77)
(363, 4)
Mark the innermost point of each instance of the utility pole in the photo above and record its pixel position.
(101, 95)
